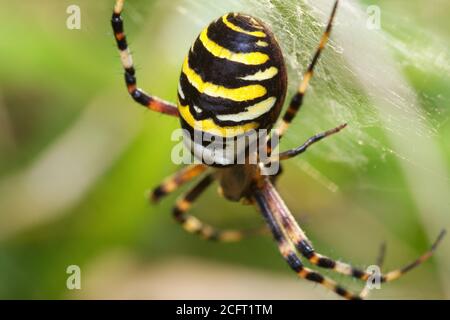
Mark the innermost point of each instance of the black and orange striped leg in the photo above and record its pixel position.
(193, 225)
(175, 181)
(304, 246)
(153, 103)
(297, 99)
(288, 252)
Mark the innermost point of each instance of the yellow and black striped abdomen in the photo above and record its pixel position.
(233, 79)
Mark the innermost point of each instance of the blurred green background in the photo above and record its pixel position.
(77, 157)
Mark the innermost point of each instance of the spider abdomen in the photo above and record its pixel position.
(233, 81)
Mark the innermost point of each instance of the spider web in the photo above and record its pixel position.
(344, 87)
(359, 79)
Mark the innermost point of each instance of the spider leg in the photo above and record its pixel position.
(288, 252)
(193, 225)
(381, 255)
(297, 100)
(153, 103)
(304, 246)
(316, 138)
(175, 181)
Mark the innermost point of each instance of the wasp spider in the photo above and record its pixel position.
(233, 80)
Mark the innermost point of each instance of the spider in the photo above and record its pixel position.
(234, 80)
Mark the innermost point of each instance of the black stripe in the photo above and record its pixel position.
(410, 266)
(178, 214)
(158, 192)
(122, 44)
(314, 60)
(181, 100)
(237, 41)
(244, 21)
(268, 216)
(341, 291)
(326, 263)
(130, 79)
(202, 185)
(214, 236)
(224, 72)
(117, 23)
(296, 102)
(288, 116)
(130, 71)
(357, 273)
(141, 98)
(314, 276)
(305, 249)
(294, 262)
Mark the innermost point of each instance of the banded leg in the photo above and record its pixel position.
(304, 246)
(297, 100)
(173, 182)
(316, 138)
(289, 254)
(153, 103)
(193, 225)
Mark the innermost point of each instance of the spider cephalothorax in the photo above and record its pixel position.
(233, 81)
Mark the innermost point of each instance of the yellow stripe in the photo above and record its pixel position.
(251, 58)
(192, 224)
(230, 236)
(169, 186)
(207, 231)
(304, 84)
(118, 7)
(239, 94)
(234, 27)
(323, 41)
(251, 113)
(183, 205)
(268, 73)
(262, 43)
(210, 127)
